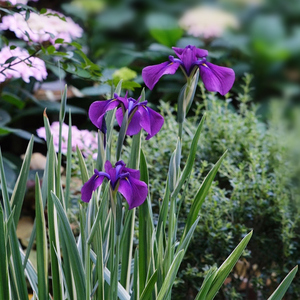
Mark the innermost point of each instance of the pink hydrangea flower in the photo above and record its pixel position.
(41, 28)
(31, 67)
(85, 140)
(14, 2)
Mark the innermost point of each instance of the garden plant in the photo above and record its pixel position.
(138, 209)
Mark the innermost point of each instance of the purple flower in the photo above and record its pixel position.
(122, 179)
(215, 78)
(139, 115)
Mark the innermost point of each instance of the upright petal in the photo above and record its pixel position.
(98, 109)
(152, 74)
(188, 58)
(91, 185)
(133, 173)
(198, 52)
(134, 126)
(151, 121)
(134, 191)
(111, 172)
(216, 78)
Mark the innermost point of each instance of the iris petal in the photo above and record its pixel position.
(151, 121)
(216, 78)
(134, 126)
(152, 74)
(90, 186)
(98, 109)
(134, 191)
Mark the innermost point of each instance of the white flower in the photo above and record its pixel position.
(21, 67)
(14, 2)
(207, 22)
(42, 27)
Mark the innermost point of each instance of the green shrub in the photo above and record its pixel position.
(253, 190)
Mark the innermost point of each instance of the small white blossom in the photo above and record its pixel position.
(207, 22)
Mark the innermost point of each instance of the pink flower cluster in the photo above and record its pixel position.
(22, 67)
(42, 27)
(85, 140)
(14, 2)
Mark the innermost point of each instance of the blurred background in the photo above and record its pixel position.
(256, 37)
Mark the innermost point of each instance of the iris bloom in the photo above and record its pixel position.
(215, 78)
(139, 115)
(122, 179)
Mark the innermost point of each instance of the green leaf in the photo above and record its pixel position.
(41, 243)
(164, 28)
(10, 60)
(185, 239)
(206, 284)
(227, 266)
(4, 117)
(145, 228)
(170, 277)
(59, 41)
(148, 290)
(13, 99)
(53, 229)
(174, 166)
(201, 194)
(82, 165)
(4, 191)
(20, 187)
(186, 97)
(284, 285)
(4, 286)
(190, 161)
(77, 267)
(121, 137)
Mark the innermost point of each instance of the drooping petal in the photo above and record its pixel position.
(216, 78)
(91, 185)
(151, 121)
(134, 126)
(152, 74)
(134, 191)
(98, 109)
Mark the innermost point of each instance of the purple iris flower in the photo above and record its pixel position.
(215, 78)
(139, 115)
(122, 179)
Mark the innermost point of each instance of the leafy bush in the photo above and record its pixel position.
(254, 190)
